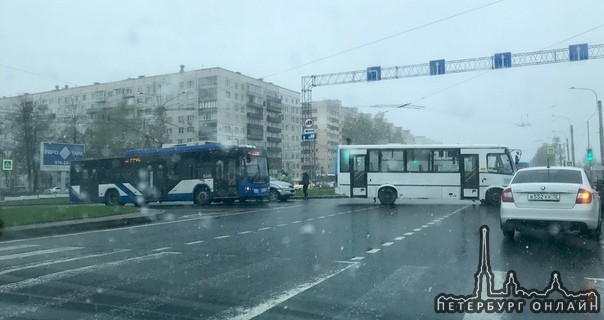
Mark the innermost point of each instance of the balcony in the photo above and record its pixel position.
(275, 119)
(255, 115)
(254, 105)
(255, 136)
(273, 104)
(273, 150)
(255, 131)
(273, 139)
(273, 129)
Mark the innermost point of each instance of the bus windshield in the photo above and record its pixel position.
(256, 169)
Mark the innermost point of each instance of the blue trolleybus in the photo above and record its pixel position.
(203, 174)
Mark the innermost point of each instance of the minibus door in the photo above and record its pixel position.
(469, 177)
(358, 176)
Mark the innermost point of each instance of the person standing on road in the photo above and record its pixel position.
(305, 183)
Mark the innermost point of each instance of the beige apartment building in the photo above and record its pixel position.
(210, 104)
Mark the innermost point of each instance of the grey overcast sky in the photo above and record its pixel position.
(45, 43)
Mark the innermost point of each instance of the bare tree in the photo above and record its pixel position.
(30, 128)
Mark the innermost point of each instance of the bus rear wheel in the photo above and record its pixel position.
(387, 196)
(112, 198)
(493, 197)
(202, 197)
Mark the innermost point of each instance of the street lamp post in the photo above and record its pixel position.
(599, 107)
(567, 151)
(572, 139)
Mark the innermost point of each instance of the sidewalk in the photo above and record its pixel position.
(69, 226)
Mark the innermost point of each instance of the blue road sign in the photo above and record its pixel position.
(578, 52)
(437, 67)
(309, 136)
(502, 60)
(374, 73)
(7, 164)
(58, 156)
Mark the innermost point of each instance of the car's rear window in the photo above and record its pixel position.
(548, 175)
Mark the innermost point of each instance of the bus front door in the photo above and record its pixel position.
(358, 177)
(469, 177)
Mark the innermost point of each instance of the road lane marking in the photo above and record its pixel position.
(387, 244)
(357, 258)
(264, 306)
(265, 228)
(23, 246)
(194, 242)
(37, 253)
(409, 233)
(425, 226)
(417, 229)
(281, 225)
(373, 250)
(297, 221)
(222, 237)
(399, 238)
(161, 249)
(245, 232)
(57, 261)
(35, 281)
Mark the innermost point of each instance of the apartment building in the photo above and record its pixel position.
(210, 104)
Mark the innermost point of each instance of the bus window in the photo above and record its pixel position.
(499, 163)
(374, 160)
(446, 160)
(344, 161)
(418, 160)
(392, 161)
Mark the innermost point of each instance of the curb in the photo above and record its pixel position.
(71, 226)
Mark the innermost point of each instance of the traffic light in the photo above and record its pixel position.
(590, 155)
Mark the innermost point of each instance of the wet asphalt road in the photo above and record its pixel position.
(315, 259)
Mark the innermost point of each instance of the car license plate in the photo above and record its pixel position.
(544, 197)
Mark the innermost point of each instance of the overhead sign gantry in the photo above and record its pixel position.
(501, 60)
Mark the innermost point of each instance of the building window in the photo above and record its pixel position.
(181, 130)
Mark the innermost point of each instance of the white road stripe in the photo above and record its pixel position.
(297, 221)
(161, 249)
(409, 233)
(281, 225)
(245, 232)
(30, 282)
(357, 258)
(373, 250)
(194, 242)
(51, 262)
(387, 244)
(37, 253)
(222, 237)
(399, 238)
(278, 299)
(417, 229)
(425, 226)
(23, 246)
(265, 228)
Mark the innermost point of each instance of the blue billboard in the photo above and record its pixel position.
(58, 156)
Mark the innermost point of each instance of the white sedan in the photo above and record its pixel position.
(551, 198)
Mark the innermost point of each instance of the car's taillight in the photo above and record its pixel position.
(507, 195)
(584, 196)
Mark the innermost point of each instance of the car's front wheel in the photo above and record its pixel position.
(274, 195)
